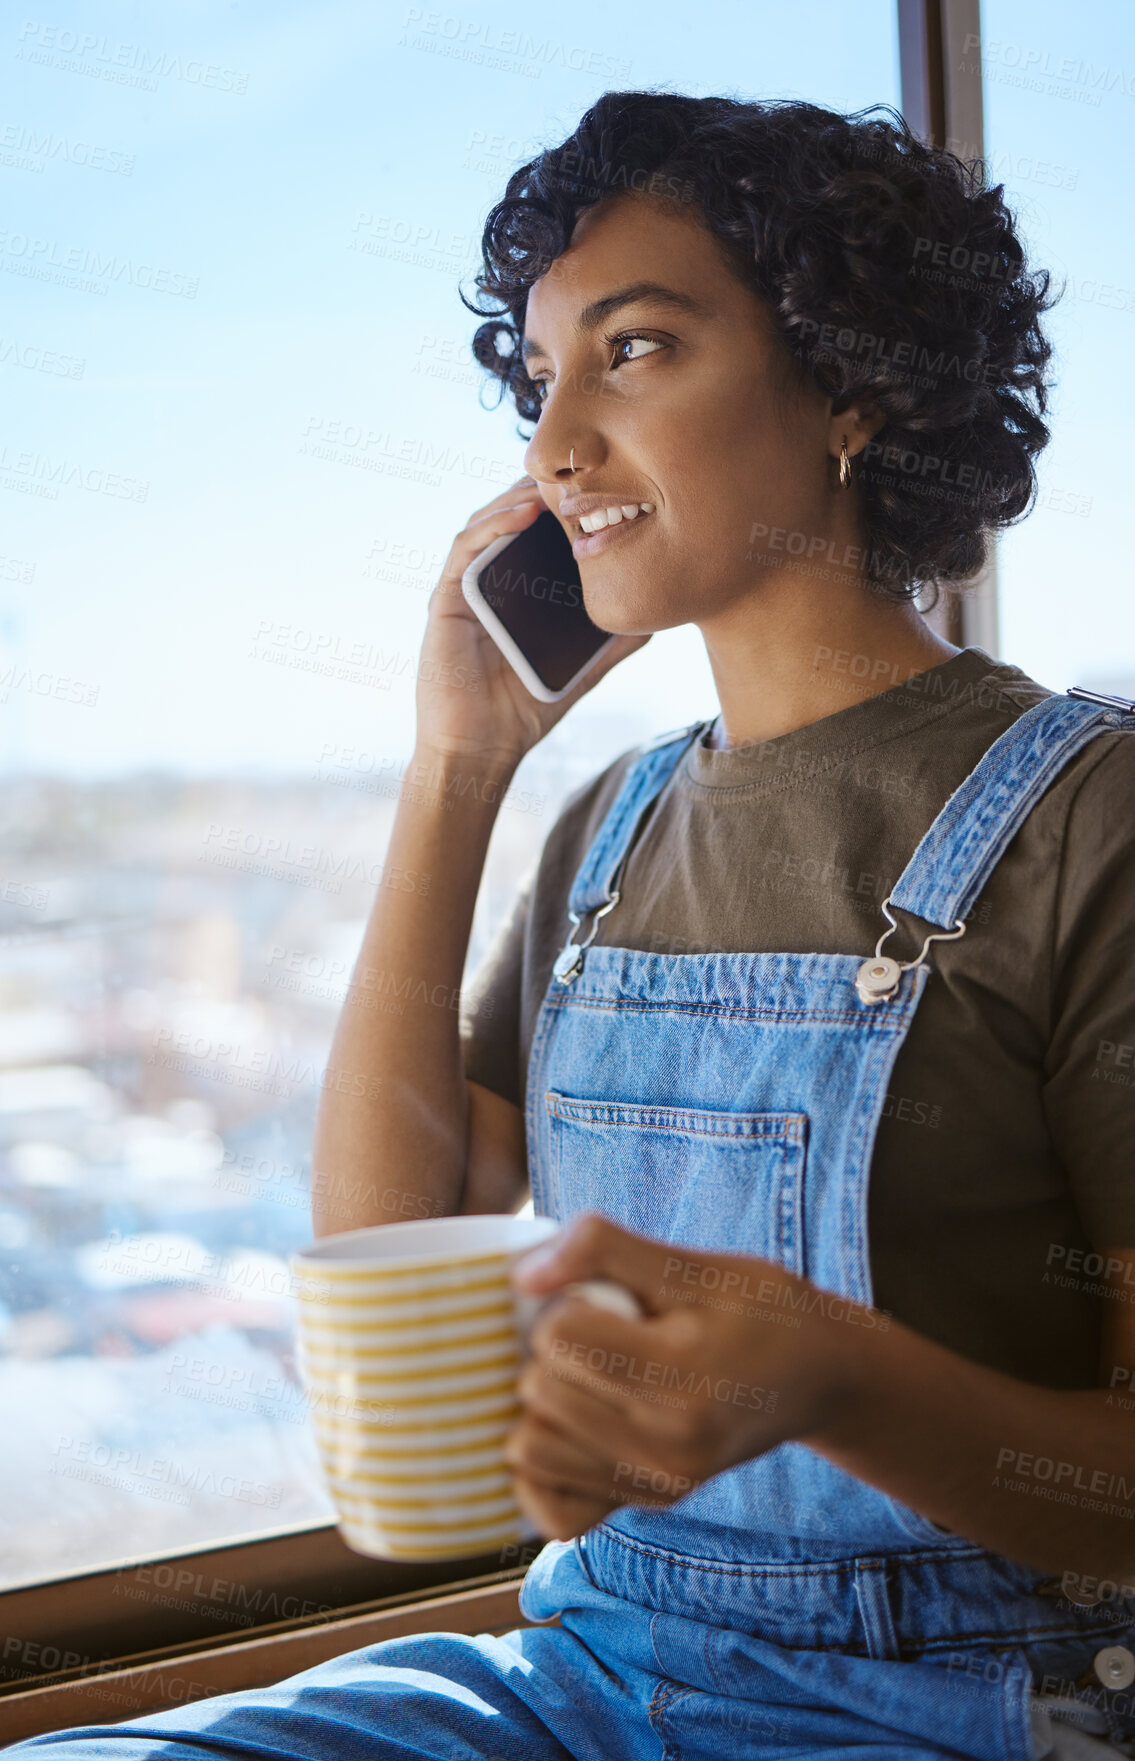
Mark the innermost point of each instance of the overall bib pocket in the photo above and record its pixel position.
(725, 1182)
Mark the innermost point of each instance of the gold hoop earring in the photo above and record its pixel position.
(844, 465)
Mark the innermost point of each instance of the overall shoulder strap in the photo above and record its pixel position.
(963, 846)
(643, 783)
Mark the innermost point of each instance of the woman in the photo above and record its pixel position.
(860, 1478)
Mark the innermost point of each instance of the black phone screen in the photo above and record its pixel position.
(533, 586)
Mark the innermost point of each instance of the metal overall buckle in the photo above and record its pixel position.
(1126, 704)
(879, 977)
(568, 963)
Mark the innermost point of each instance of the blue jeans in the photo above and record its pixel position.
(615, 1681)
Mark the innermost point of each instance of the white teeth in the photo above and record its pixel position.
(613, 516)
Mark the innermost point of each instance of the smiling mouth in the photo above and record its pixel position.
(592, 539)
(600, 518)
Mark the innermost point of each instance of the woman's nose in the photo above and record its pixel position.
(547, 456)
(564, 443)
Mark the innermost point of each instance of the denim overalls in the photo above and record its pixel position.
(730, 1102)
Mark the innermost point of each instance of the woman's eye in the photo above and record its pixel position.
(622, 342)
(540, 386)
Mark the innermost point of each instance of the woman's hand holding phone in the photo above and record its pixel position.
(470, 703)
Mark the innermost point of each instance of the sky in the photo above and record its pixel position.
(240, 424)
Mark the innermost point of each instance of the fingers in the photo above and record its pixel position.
(593, 1247)
(517, 501)
(484, 527)
(593, 1348)
(559, 1516)
(505, 516)
(523, 493)
(548, 1457)
(585, 1412)
(525, 482)
(565, 1487)
(561, 1487)
(509, 511)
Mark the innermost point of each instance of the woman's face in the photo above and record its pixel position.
(682, 398)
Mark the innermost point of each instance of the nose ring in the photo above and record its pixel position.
(571, 461)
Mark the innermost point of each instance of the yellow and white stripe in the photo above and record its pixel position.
(410, 1371)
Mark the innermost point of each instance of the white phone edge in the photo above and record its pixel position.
(471, 589)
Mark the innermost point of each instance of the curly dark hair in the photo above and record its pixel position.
(894, 272)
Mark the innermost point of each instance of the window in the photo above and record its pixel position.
(241, 425)
(1059, 95)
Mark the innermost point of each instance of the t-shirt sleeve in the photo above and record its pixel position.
(1090, 1084)
(489, 1018)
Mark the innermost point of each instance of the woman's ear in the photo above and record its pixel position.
(860, 422)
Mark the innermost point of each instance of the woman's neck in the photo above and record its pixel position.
(794, 653)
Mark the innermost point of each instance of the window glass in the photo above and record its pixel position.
(241, 425)
(1059, 95)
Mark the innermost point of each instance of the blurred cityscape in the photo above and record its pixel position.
(173, 953)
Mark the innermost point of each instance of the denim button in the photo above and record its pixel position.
(878, 979)
(1115, 1666)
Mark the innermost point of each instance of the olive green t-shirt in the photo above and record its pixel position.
(1005, 1155)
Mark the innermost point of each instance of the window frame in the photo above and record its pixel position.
(102, 1617)
(941, 98)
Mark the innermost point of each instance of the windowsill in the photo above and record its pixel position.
(66, 1632)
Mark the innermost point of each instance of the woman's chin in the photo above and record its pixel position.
(621, 611)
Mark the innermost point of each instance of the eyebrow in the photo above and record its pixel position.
(635, 292)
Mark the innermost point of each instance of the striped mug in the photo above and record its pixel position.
(410, 1343)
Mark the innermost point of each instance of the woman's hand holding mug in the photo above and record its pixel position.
(731, 1356)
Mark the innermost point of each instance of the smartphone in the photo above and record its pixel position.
(526, 591)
